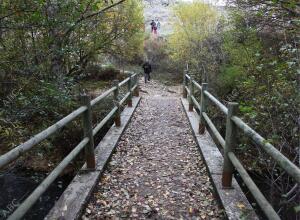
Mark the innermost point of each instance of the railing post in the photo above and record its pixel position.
(137, 89)
(88, 132)
(117, 104)
(184, 92)
(230, 144)
(129, 85)
(191, 88)
(202, 109)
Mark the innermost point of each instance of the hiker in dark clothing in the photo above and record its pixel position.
(153, 25)
(147, 70)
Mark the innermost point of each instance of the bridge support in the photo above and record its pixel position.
(230, 145)
(136, 92)
(129, 85)
(117, 104)
(190, 100)
(184, 92)
(88, 132)
(203, 109)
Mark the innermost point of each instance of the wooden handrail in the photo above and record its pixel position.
(34, 196)
(216, 102)
(123, 82)
(24, 147)
(230, 159)
(198, 85)
(102, 96)
(214, 129)
(87, 142)
(284, 162)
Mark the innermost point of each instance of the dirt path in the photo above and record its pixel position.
(156, 171)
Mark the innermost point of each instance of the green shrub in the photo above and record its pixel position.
(33, 106)
(97, 72)
(229, 77)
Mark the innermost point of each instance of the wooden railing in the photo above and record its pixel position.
(87, 142)
(233, 124)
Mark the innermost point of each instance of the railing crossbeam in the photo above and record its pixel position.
(214, 129)
(233, 123)
(34, 196)
(259, 197)
(26, 146)
(87, 142)
(284, 162)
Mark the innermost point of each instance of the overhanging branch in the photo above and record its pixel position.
(91, 15)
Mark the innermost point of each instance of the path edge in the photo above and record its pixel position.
(71, 203)
(233, 200)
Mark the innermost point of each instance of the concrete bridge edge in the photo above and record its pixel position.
(233, 200)
(71, 203)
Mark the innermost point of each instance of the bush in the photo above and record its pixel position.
(97, 72)
(34, 105)
(229, 77)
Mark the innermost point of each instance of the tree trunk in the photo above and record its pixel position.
(56, 43)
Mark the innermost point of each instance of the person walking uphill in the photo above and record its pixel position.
(147, 70)
(153, 26)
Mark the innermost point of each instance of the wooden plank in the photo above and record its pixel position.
(72, 201)
(234, 201)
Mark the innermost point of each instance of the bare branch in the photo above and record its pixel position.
(92, 15)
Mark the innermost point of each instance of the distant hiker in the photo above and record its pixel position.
(153, 25)
(157, 24)
(147, 70)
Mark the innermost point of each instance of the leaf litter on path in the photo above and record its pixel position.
(156, 171)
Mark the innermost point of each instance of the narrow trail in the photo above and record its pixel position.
(156, 171)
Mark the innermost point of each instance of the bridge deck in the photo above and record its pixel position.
(156, 171)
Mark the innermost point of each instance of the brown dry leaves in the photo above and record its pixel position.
(157, 171)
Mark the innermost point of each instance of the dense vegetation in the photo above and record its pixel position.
(52, 50)
(250, 55)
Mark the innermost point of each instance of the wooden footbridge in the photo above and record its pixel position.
(219, 167)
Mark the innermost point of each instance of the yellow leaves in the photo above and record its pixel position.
(240, 205)
(193, 23)
(195, 18)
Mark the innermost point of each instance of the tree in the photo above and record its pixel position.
(192, 40)
(46, 44)
(55, 36)
(250, 57)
